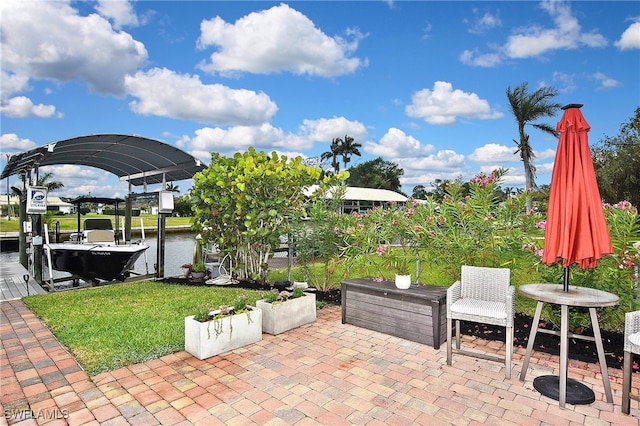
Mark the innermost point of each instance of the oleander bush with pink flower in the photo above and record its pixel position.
(481, 228)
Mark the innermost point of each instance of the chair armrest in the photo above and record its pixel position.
(453, 294)
(631, 326)
(510, 301)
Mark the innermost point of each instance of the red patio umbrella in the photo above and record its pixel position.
(576, 230)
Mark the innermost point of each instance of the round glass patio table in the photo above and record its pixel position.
(577, 296)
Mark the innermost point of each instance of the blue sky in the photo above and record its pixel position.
(419, 83)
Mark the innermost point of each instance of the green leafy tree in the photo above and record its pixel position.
(182, 206)
(376, 173)
(526, 108)
(617, 163)
(419, 192)
(242, 203)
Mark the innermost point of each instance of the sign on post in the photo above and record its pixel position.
(36, 200)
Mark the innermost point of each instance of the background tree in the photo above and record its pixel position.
(182, 206)
(376, 173)
(617, 163)
(333, 154)
(526, 108)
(419, 192)
(45, 180)
(172, 188)
(349, 147)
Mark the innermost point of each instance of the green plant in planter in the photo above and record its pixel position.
(199, 267)
(204, 313)
(274, 296)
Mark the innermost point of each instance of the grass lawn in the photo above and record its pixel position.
(70, 222)
(114, 325)
(120, 324)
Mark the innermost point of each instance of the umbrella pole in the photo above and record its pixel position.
(566, 278)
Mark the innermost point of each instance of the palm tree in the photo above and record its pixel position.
(336, 146)
(527, 107)
(43, 180)
(349, 148)
(172, 188)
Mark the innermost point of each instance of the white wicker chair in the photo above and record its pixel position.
(483, 295)
(631, 346)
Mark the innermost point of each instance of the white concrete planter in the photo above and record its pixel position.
(206, 339)
(279, 317)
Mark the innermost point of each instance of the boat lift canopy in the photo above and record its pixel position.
(135, 159)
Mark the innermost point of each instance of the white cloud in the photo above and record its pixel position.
(21, 107)
(11, 142)
(477, 59)
(493, 153)
(545, 154)
(441, 161)
(536, 40)
(567, 81)
(84, 180)
(165, 93)
(277, 39)
(119, 11)
(264, 137)
(443, 105)
(480, 24)
(605, 81)
(396, 144)
(567, 34)
(630, 38)
(50, 40)
(11, 83)
(327, 129)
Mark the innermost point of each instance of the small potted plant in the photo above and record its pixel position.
(198, 271)
(210, 332)
(282, 311)
(187, 269)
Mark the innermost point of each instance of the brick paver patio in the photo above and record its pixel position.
(325, 373)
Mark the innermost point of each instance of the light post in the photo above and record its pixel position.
(8, 198)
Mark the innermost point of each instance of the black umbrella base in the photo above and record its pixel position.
(577, 393)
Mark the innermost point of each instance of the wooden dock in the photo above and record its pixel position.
(12, 284)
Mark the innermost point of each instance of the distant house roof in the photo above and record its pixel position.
(56, 201)
(132, 158)
(356, 193)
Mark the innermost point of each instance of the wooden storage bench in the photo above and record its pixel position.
(417, 314)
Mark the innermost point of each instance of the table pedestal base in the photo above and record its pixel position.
(577, 393)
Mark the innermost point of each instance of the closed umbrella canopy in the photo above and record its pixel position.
(576, 230)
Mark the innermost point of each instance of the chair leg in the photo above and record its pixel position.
(458, 334)
(509, 351)
(449, 337)
(626, 382)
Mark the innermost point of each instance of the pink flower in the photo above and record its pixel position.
(382, 249)
(626, 264)
(542, 224)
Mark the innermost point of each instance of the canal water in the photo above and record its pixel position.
(179, 248)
